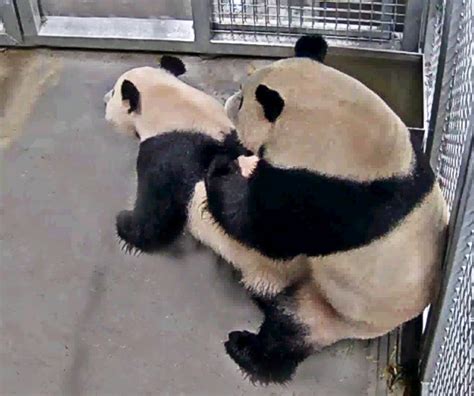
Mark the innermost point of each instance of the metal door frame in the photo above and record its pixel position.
(12, 32)
(174, 35)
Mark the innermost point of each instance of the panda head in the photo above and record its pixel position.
(124, 103)
(301, 113)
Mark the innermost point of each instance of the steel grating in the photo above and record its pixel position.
(453, 374)
(432, 52)
(450, 363)
(364, 20)
(458, 107)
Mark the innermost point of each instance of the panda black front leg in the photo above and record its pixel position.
(274, 353)
(147, 233)
(158, 217)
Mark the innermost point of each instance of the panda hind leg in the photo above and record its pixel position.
(273, 354)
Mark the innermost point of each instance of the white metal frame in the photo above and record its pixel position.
(11, 32)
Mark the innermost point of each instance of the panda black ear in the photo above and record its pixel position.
(312, 46)
(271, 102)
(131, 93)
(173, 65)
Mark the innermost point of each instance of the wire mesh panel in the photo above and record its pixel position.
(448, 366)
(455, 118)
(377, 20)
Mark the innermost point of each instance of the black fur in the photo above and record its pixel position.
(286, 212)
(173, 64)
(273, 354)
(168, 167)
(131, 93)
(311, 46)
(271, 101)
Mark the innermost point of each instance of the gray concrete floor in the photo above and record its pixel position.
(77, 315)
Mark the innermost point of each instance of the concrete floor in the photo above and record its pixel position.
(78, 316)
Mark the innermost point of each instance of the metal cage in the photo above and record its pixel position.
(247, 27)
(447, 367)
(364, 20)
(382, 28)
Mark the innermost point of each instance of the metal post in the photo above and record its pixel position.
(30, 17)
(434, 140)
(412, 25)
(202, 24)
(10, 22)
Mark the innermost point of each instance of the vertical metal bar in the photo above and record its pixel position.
(288, 4)
(386, 24)
(220, 10)
(254, 14)
(325, 14)
(412, 25)
(360, 19)
(301, 13)
(266, 11)
(434, 140)
(278, 15)
(10, 20)
(201, 24)
(30, 17)
(429, 8)
(348, 18)
(232, 16)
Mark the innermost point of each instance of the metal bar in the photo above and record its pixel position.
(6, 40)
(254, 15)
(434, 140)
(201, 24)
(10, 21)
(290, 15)
(295, 31)
(412, 25)
(428, 10)
(30, 17)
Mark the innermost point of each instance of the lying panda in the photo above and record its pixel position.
(181, 130)
(337, 185)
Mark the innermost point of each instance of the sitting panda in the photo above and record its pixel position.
(338, 199)
(181, 129)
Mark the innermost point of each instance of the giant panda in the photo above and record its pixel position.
(341, 214)
(181, 129)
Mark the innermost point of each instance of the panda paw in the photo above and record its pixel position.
(222, 165)
(125, 230)
(258, 363)
(247, 165)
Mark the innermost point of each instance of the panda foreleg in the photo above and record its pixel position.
(273, 354)
(156, 221)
